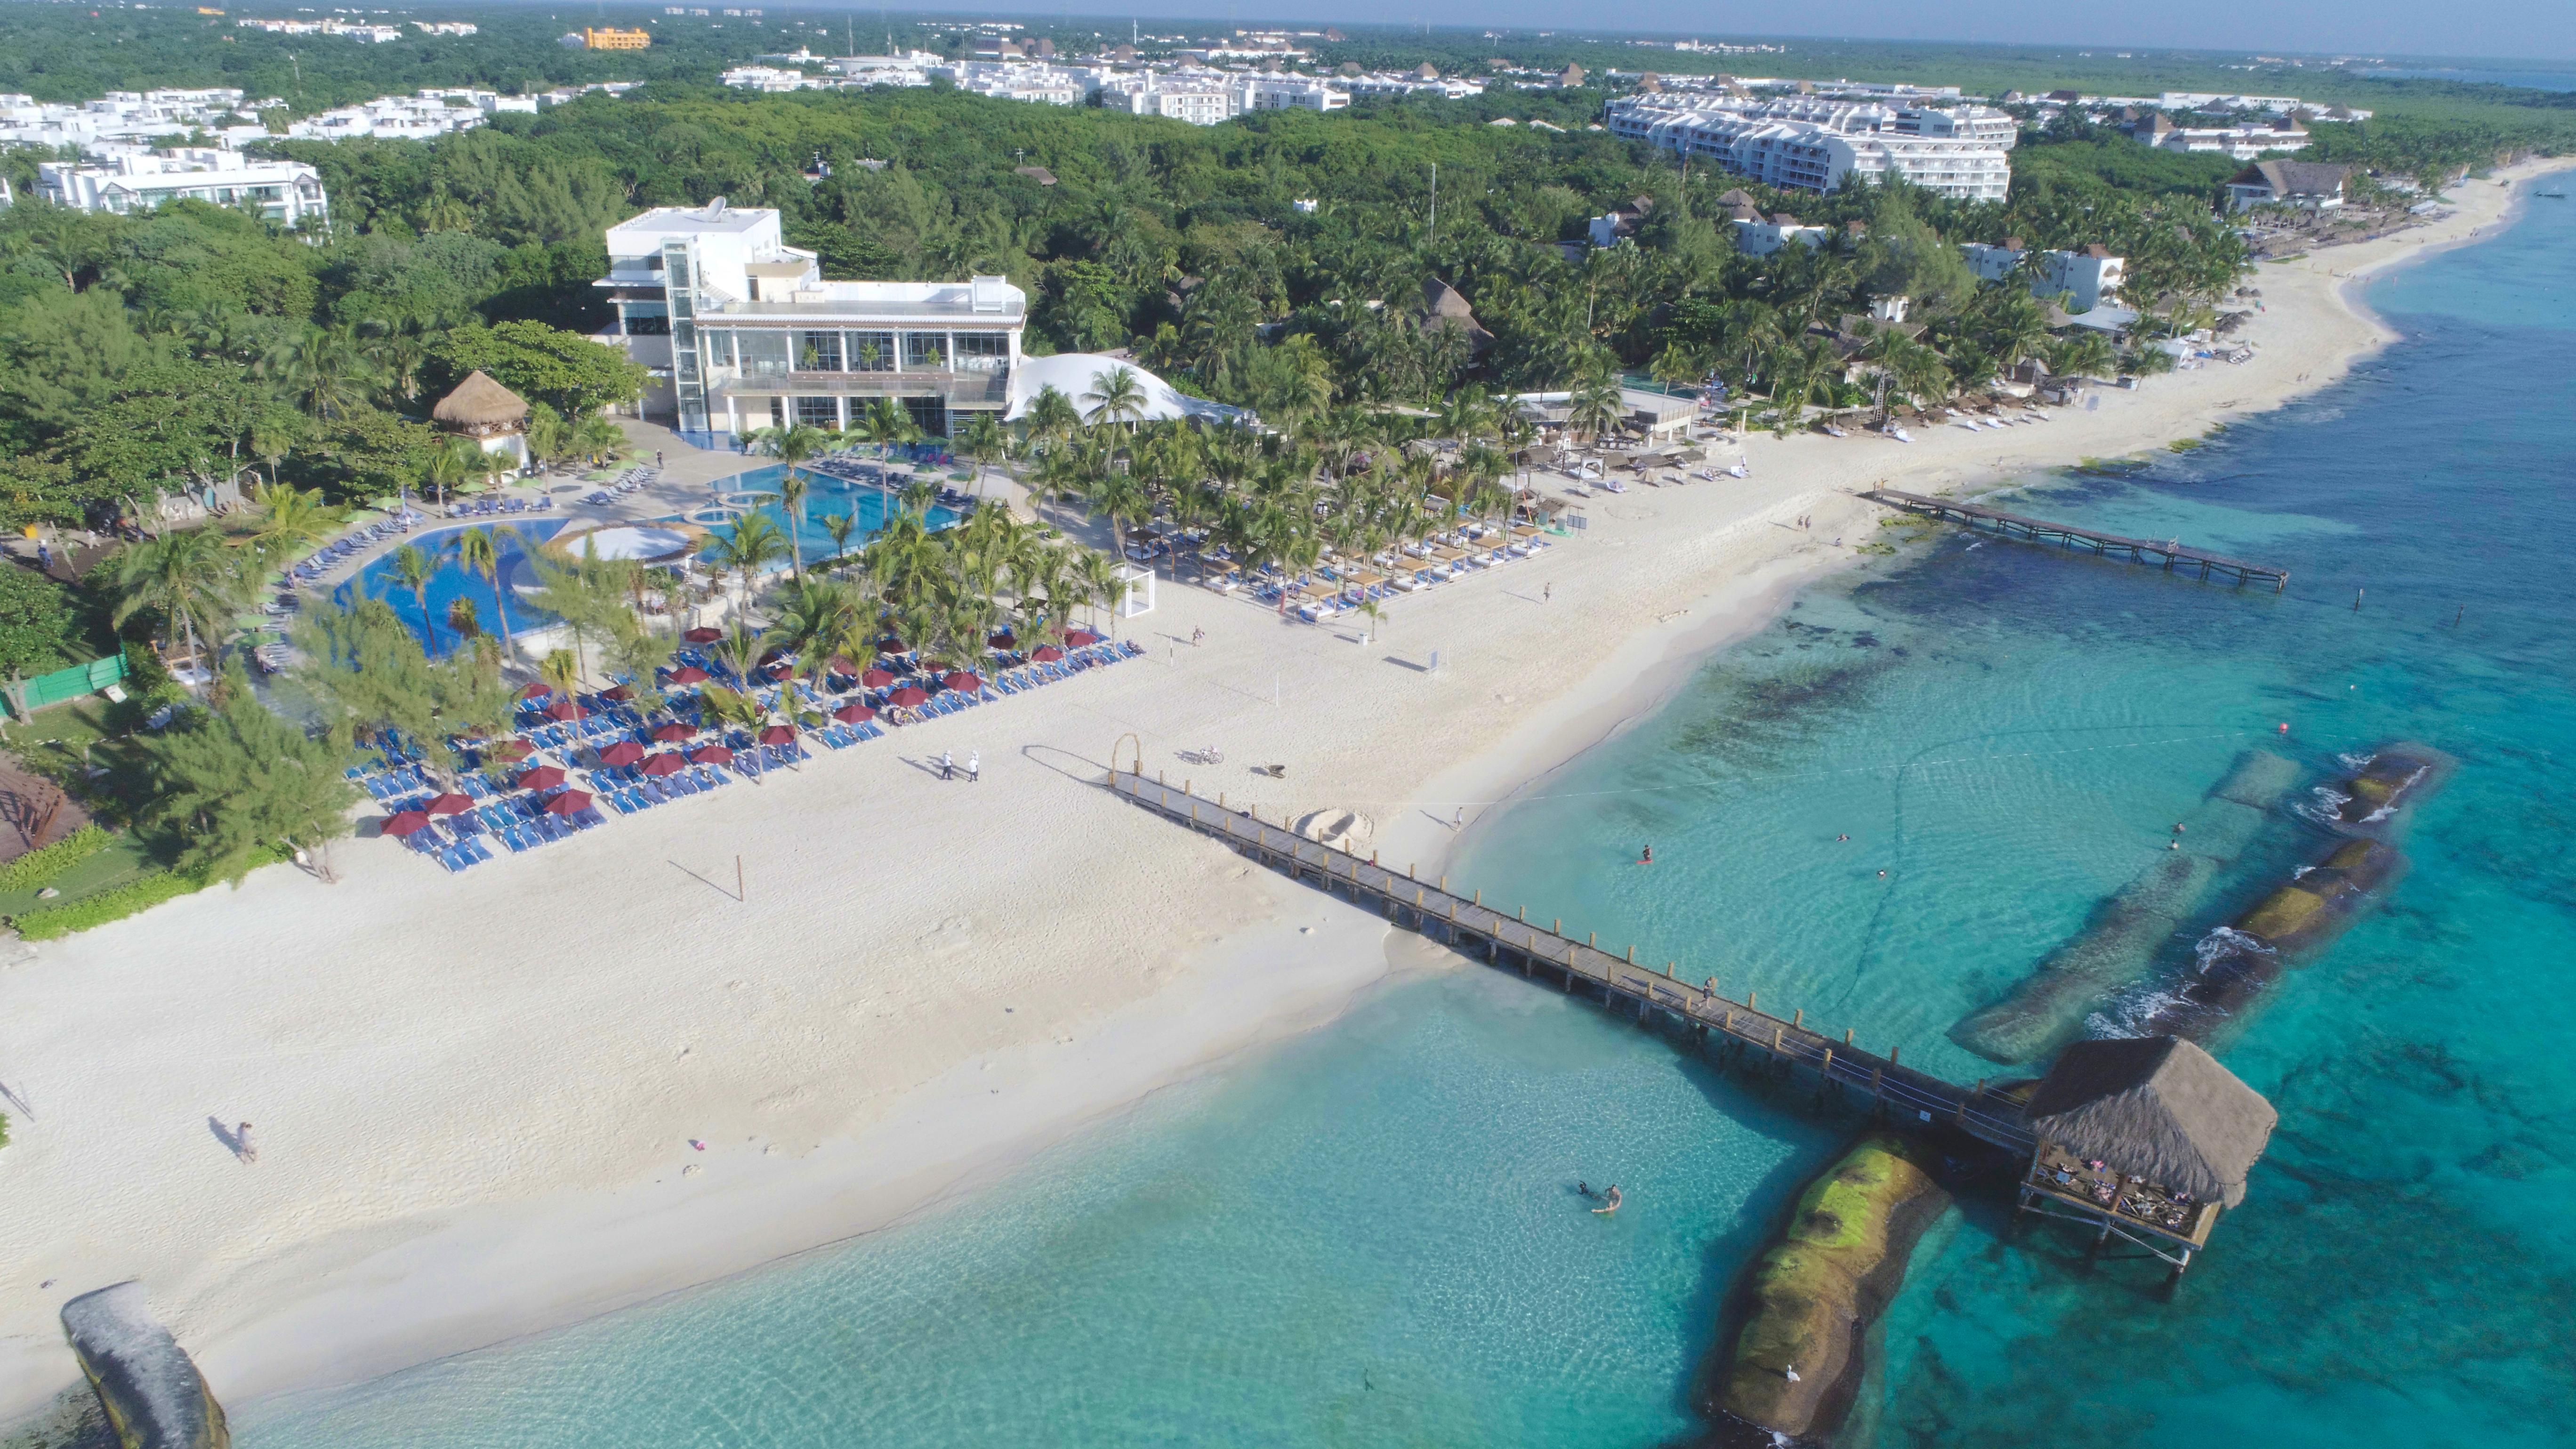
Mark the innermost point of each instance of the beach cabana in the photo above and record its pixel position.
(492, 415)
(2148, 1139)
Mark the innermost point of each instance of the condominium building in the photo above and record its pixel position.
(2239, 142)
(740, 331)
(2087, 278)
(130, 116)
(1811, 145)
(285, 192)
(613, 38)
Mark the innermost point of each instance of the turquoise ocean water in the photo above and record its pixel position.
(1368, 1236)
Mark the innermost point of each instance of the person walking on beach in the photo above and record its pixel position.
(657, 457)
(1547, 592)
(974, 767)
(947, 766)
(1197, 637)
(243, 1147)
(1460, 821)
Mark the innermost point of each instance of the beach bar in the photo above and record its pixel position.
(2147, 1139)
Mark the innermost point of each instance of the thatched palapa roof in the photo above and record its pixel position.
(479, 402)
(2158, 1107)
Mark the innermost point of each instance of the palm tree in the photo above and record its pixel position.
(984, 441)
(413, 569)
(597, 439)
(561, 670)
(756, 543)
(188, 575)
(792, 446)
(1117, 398)
(1051, 416)
(1595, 406)
(479, 550)
(450, 464)
(1370, 611)
(838, 527)
(290, 521)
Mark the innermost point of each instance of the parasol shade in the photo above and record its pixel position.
(1047, 654)
(624, 752)
(911, 694)
(451, 803)
(672, 734)
(777, 735)
(570, 802)
(1080, 637)
(703, 635)
(876, 679)
(711, 755)
(543, 777)
(688, 674)
(666, 763)
(963, 681)
(563, 709)
(854, 714)
(405, 822)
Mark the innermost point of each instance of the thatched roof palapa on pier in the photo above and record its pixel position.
(2157, 1107)
(482, 407)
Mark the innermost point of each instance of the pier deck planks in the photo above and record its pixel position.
(2039, 530)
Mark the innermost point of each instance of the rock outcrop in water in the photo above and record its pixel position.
(2118, 946)
(1809, 1302)
(152, 1393)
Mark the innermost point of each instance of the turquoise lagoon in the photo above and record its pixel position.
(1368, 1236)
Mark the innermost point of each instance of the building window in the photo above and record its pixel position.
(983, 352)
(818, 412)
(868, 351)
(819, 352)
(930, 414)
(762, 352)
(925, 350)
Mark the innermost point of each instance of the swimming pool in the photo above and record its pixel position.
(377, 580)
(826, 498)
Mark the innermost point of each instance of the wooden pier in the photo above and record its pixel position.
(1508, 939)
(2171, 554)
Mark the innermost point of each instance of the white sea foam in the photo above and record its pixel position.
(2356, 762)
(2225, 941)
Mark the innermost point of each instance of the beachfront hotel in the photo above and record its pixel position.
(741, 332)
(1815, 145)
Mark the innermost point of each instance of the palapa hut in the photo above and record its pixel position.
(2149, 1138)
(481, 409)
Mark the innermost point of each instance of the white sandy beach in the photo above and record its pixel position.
(474, 1094)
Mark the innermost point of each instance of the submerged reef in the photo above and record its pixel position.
(2118, 946)
(1805, 1310)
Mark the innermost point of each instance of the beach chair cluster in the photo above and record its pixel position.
(497, 507)
(349, 545)
(1338, 585)
(627, 482)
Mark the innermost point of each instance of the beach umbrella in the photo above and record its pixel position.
(688, 674)
(703, 635)
(711, 755)
(624, 752)
(778, 671)
(563, 709)
(1047, 654)
(570, 802)
(854, 714)
(934, 667)
(1080, 637)
(406, 822)
(892, 645)
(911, 694)
(876, 678)
(509, 750)
(451, 803)
(543, 777)
(666, 763)
(1002, 640)
(533, 690)
(620, 694)
(963, 682)
(672, 734)
(777, 735)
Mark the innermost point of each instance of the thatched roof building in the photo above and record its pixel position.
(1444, 306)
(2158, 1107)
(482, 408)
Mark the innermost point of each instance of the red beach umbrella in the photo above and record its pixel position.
(778, 735)
(406, 822)
(854, 714)
(711, 755)
(892, 645)
(688, 674)
(570, 802)
(672, 734)
(624, 752)
(563, 709)
(876, 678)
(451, 803)
(911, 694)
(533, 690)
(703, 635)
(1080, 637)
(1002, 640)
(963, 681)
(620, 694)
(510, 750)
(543, 777)
(1047, 654)
(666, 763)
(934, 666)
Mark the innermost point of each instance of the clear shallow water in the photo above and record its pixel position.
(2008, 733)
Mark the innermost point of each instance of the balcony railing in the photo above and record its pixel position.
(959, 388)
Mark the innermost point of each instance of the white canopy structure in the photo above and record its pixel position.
(1078, 375)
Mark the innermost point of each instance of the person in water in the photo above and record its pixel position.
(1611, 1202)
(1648, 858)
(1582, 1187)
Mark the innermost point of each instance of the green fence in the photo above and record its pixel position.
(34, 694)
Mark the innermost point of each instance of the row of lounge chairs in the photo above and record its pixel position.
(490, 507)
(350, 545)
(627, 482)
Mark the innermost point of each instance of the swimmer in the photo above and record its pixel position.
(1882, 875)
(1611, 1205)
(1582, 1188)
(2178, 827)
(1839, 839)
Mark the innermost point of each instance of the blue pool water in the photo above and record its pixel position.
(1363, 1237)
(825, 497)
(377, 580)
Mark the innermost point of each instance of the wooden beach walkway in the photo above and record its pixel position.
(1507, 939)
(2171, 554)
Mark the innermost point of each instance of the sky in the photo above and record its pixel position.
(2523, 30)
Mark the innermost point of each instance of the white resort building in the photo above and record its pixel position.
(740, 331)
(2087, 279)
(1811, 145)
(285, 192)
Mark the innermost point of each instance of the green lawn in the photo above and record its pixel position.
(121, 860)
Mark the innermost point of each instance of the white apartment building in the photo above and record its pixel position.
(1382, 86)
(1822, 146)
(285, 192)
(741, 332)
(2242, 143)
(128, 117)
(1292, 93)
(768, 79)
(361, 32)
(2088, 279)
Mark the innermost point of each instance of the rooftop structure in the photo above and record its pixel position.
(2307, 185)
(286, 192)
(492, 415)
(1813, 145)
(741, 331)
